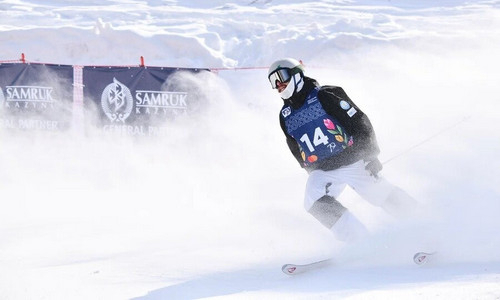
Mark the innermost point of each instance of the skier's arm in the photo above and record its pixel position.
(336, 103)
(292, 144)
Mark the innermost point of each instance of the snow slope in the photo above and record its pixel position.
(214, 209)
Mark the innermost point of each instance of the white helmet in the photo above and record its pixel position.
(286, 70)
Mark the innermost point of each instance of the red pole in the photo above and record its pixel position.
(142, 61)
(23, 58)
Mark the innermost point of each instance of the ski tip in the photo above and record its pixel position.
(292, 269)
(289, 269)
(421, 258)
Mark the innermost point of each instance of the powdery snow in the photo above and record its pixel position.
(214, 208)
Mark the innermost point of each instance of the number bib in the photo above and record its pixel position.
(318, 134)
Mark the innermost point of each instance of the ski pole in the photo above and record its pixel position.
(427, 139)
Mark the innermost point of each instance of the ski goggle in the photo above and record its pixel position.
(280, 75)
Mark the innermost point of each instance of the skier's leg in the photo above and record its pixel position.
(321, 202)
(398, 203)
(380, 192)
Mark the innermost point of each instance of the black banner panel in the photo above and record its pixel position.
(36, 97)
(134, 101)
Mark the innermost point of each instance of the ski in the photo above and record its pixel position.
(421, 258)
(293, 269)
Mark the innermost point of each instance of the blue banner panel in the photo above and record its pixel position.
(36, 97)
(135, 101)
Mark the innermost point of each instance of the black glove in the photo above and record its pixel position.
(373, 166)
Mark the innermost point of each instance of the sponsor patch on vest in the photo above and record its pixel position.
(344, 105)
(286, 111)
(351, 112)
(312, 100)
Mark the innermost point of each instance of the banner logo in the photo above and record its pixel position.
(154, 102)
(116, 101)
(27, 97)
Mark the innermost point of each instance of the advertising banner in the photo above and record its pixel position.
(36, 97)
(134, 101)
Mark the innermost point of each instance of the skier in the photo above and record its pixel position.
(334, 141)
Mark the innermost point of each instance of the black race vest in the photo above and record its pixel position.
(318, 134)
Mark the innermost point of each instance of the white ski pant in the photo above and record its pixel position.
(323, 187)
